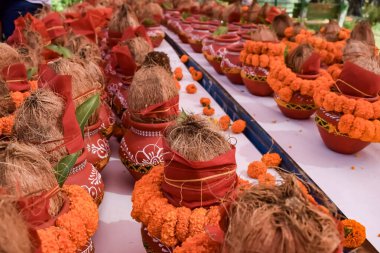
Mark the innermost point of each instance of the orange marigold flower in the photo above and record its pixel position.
(178, 73)
(197, 75)
(191, 88)
(267, 180)
(200, 243)
(354, 234)
(357, 128)
(288, 32)
(244, 8)
(183, 223)
(184, 58)
(256, 169)
(208, 111)
(33, 85)
(156, 221)
(18, 98)
(364, 109)
(303, 188)
(168, 236)
(197, 221)
(191, 69)
(6, 124)
(205, 101)
(345, 123)
(177, 84)
(271, 159)
(238, 126)
(285, 94)
(224, 122)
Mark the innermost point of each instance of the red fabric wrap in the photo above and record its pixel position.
(356, 81)
(103, 12)
(139, 31)
(200, 193)
(61, 84)
(90, 25)
(54, 25)
(312, 65)
(272, 13)
(16, 77)
(122, 60)
(161, 110)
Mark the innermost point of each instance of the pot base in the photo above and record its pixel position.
(234, 78)
(216, 65)
(151, 244)
(197, 47)
(156, 41)
(258, 88)
(295, 110)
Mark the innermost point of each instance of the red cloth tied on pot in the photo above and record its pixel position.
(357, 81)
(90, 25)
(193, 183)
(161, 110)
(54, 25)
(312, 65)
(61, 84)
(15, 77)
(103, 12)
(131, 32)
(272, 13)
(122, 60)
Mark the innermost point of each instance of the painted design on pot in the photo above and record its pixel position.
(89, 248)
(218, 49)
(100, 148)
(299, 107)
(156, 35)
(231, 65)
(196, 36)
(153, 244)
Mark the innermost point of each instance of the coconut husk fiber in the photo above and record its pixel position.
(280, 23)
(39, 121)
(298, 56)
(8, 55)
(268, 219)
(263, 33)
(331, 31)
(14, 235)
(355, 49)
(7, 106)
(196, 138)
(151, 11)
(156, 58)
(363, 32)
(139, 48)
(370, 64)
(30, 57)
(151, 85)
(24, 171)
(122, 18)
(82, 47)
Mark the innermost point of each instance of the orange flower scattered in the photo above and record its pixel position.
(201, 243)
(354, 234)
(178, 73)
(256, 169)
(191, 88)
(33, 85)
(197, 75)
(177, 84)
(208, 111)
(244, 8)
(267, 180)
(205, 102)
(6, 124)
(238, 126)
(192, 69)
(271, 159)
(224, 122)
(184, 58)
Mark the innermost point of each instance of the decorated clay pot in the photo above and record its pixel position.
(107, 118)
(218, 49)
(97, 145)
(169, 15)
(255, 79)
(173, 24)
(87, 176)
(152, 244)
(196, 36)
(248, 27)
(327, 123)
(206, 43)
(184, 28)
(88, 248)
(231, 65)
(299, 106)
(156, 35)
(141, 147)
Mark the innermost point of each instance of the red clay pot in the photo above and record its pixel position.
(87, 176)
(156, 35)
(206, 43)
(141, 147)
(152, 244)
(255, 79)
(231, 65)
(88, 248)
(184, 28)
(218, 49)
(97, 145)
(196, 36)
(334, 141)
(299, 100)
(107, 118)
(173, 24)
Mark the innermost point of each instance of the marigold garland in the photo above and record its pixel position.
(335, 70)
(261, 54)
(73, 229)
(200, 243)
(354, 234)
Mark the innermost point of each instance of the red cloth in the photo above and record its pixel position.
(16, 77)
(103, 12)
(54, 25)
(162, 110)
(312, 65)
(359, 82)
(90, 25)
(197, 194)
(272, 13)
(131, 32)
(122, 60)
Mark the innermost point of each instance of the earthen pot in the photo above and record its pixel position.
(107, 118)
(152, 244)
(231, 65)
(218, 49)
(99, 151)
(206, 43)
(299, 107)
(156, 35)
(255, 79)
(141, 147)
(88, 248)
(184, 28)
(333, 140)
(196, 36)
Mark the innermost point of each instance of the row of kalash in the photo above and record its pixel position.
(55, 121)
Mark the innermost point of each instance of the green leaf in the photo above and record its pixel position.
(185, 15)
(63, 51)
(86, 109)
(31, 72)
(148, 22)
(62, 169)
(347, 231)
(220, 30)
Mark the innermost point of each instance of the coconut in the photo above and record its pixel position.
(280, 218)
(14, 235)
(232, 13)
(263, 12)
(156, 58)
(370, 64)
(254, 12)
(196, 138)
(262, 33)
(280, 23)
(39, 121)
(355, 49)
(82, 47)
(363, 32)
(139, 48)
(8, 55)
(331, 31)
(24, 171)
(150, 85)
(151, 11)
(7, 106)
(298, 56)
(124, 17)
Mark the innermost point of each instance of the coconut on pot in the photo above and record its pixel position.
(124, 17)
(156, 58)
(8, 55)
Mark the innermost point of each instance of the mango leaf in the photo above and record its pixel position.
(185, 15)
(148, 22)
(63, 51)
(31, 72)
(86, 109)
(62, 169)
(220, 30)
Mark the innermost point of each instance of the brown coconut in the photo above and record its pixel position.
(263, 13)
(14, 235)
(355, 49)
(8, 55)
(24, 171)
(262, 33)
(122, 18)
(156, 58)
(7, 106)
(151, 11)
(331, 31)
(370, 64)
(280, 23)
(196, 138)
(150, 85)
(82, 47)
(139, 48)
(30, 57)
(269, 219)
(298, 56)
(363, 32)
(39, 121)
